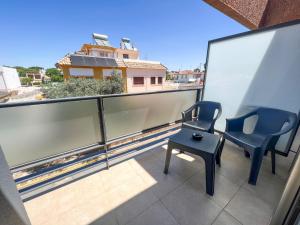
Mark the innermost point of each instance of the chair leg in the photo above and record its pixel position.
(246, 153)
(257, 158)
(273, 161)
(168, 158)
(266, 152)
(219, 154)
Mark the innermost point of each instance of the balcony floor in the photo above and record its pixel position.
(136, 192)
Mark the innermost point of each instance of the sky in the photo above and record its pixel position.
(174, 32)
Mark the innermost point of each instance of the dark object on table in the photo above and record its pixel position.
(208, 149)
(271, 124)
(197, 136)
(205, 118)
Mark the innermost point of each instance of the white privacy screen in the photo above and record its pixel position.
(258, 69)
(33, 132)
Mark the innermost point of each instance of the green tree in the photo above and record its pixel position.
(23, 70)
(168, 76)
(76, 87)
(25, 81)
(53, 71)
(55, 75)
(35, 69)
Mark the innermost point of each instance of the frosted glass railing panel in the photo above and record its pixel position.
(125, 115)
(32, 132)
(257, 69)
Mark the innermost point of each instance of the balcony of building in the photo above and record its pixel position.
(100, 159)
(136, 191)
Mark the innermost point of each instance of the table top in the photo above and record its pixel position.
(209, 142)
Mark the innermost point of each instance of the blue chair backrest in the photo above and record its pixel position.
(272, 120)
(207, 109)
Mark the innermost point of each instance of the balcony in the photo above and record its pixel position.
(113, 172)
(137, 192)
(99, 160)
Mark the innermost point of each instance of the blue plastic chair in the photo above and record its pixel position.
(206, 117)
(270, 125)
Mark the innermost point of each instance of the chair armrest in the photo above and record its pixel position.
(291, 124)
(219, 113)
(272, 139)
(217, 116)
(187, 115)
(237, 123)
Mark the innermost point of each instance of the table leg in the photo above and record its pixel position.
(210, 175)
(168, 158)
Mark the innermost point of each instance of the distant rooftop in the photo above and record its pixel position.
(101, 39)
(86, 60)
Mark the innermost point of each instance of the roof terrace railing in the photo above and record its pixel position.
(52, 140)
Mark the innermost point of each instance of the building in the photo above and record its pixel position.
(100, 60)
(187, 76)
(38, 77)
(9, 79)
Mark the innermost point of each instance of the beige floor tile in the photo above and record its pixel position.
(130, 192)
(156, 214)
(226, 219)
(53, 204)
(134, 206)
(224, 188)
(107, 219)
(283, 164)
(234, 165)
(191, 207)
(156, 155)
(185, 165)
(249, 209)
(117, 175)
(160, 183)
(269, 187)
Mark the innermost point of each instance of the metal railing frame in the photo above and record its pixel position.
(102, 147)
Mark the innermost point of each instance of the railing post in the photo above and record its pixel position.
(102, 127)
(198, 96)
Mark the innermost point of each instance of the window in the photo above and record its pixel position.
(103, 54)
(152, 80)
(125, 56)
(138, 80)
(110, 72)
(159, 81)
(78, 72)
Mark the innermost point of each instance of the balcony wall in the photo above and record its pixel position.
(49, 141)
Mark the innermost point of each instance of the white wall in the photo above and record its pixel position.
(147, 74)
(260, 69)
(11, 206)
(10, 79)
